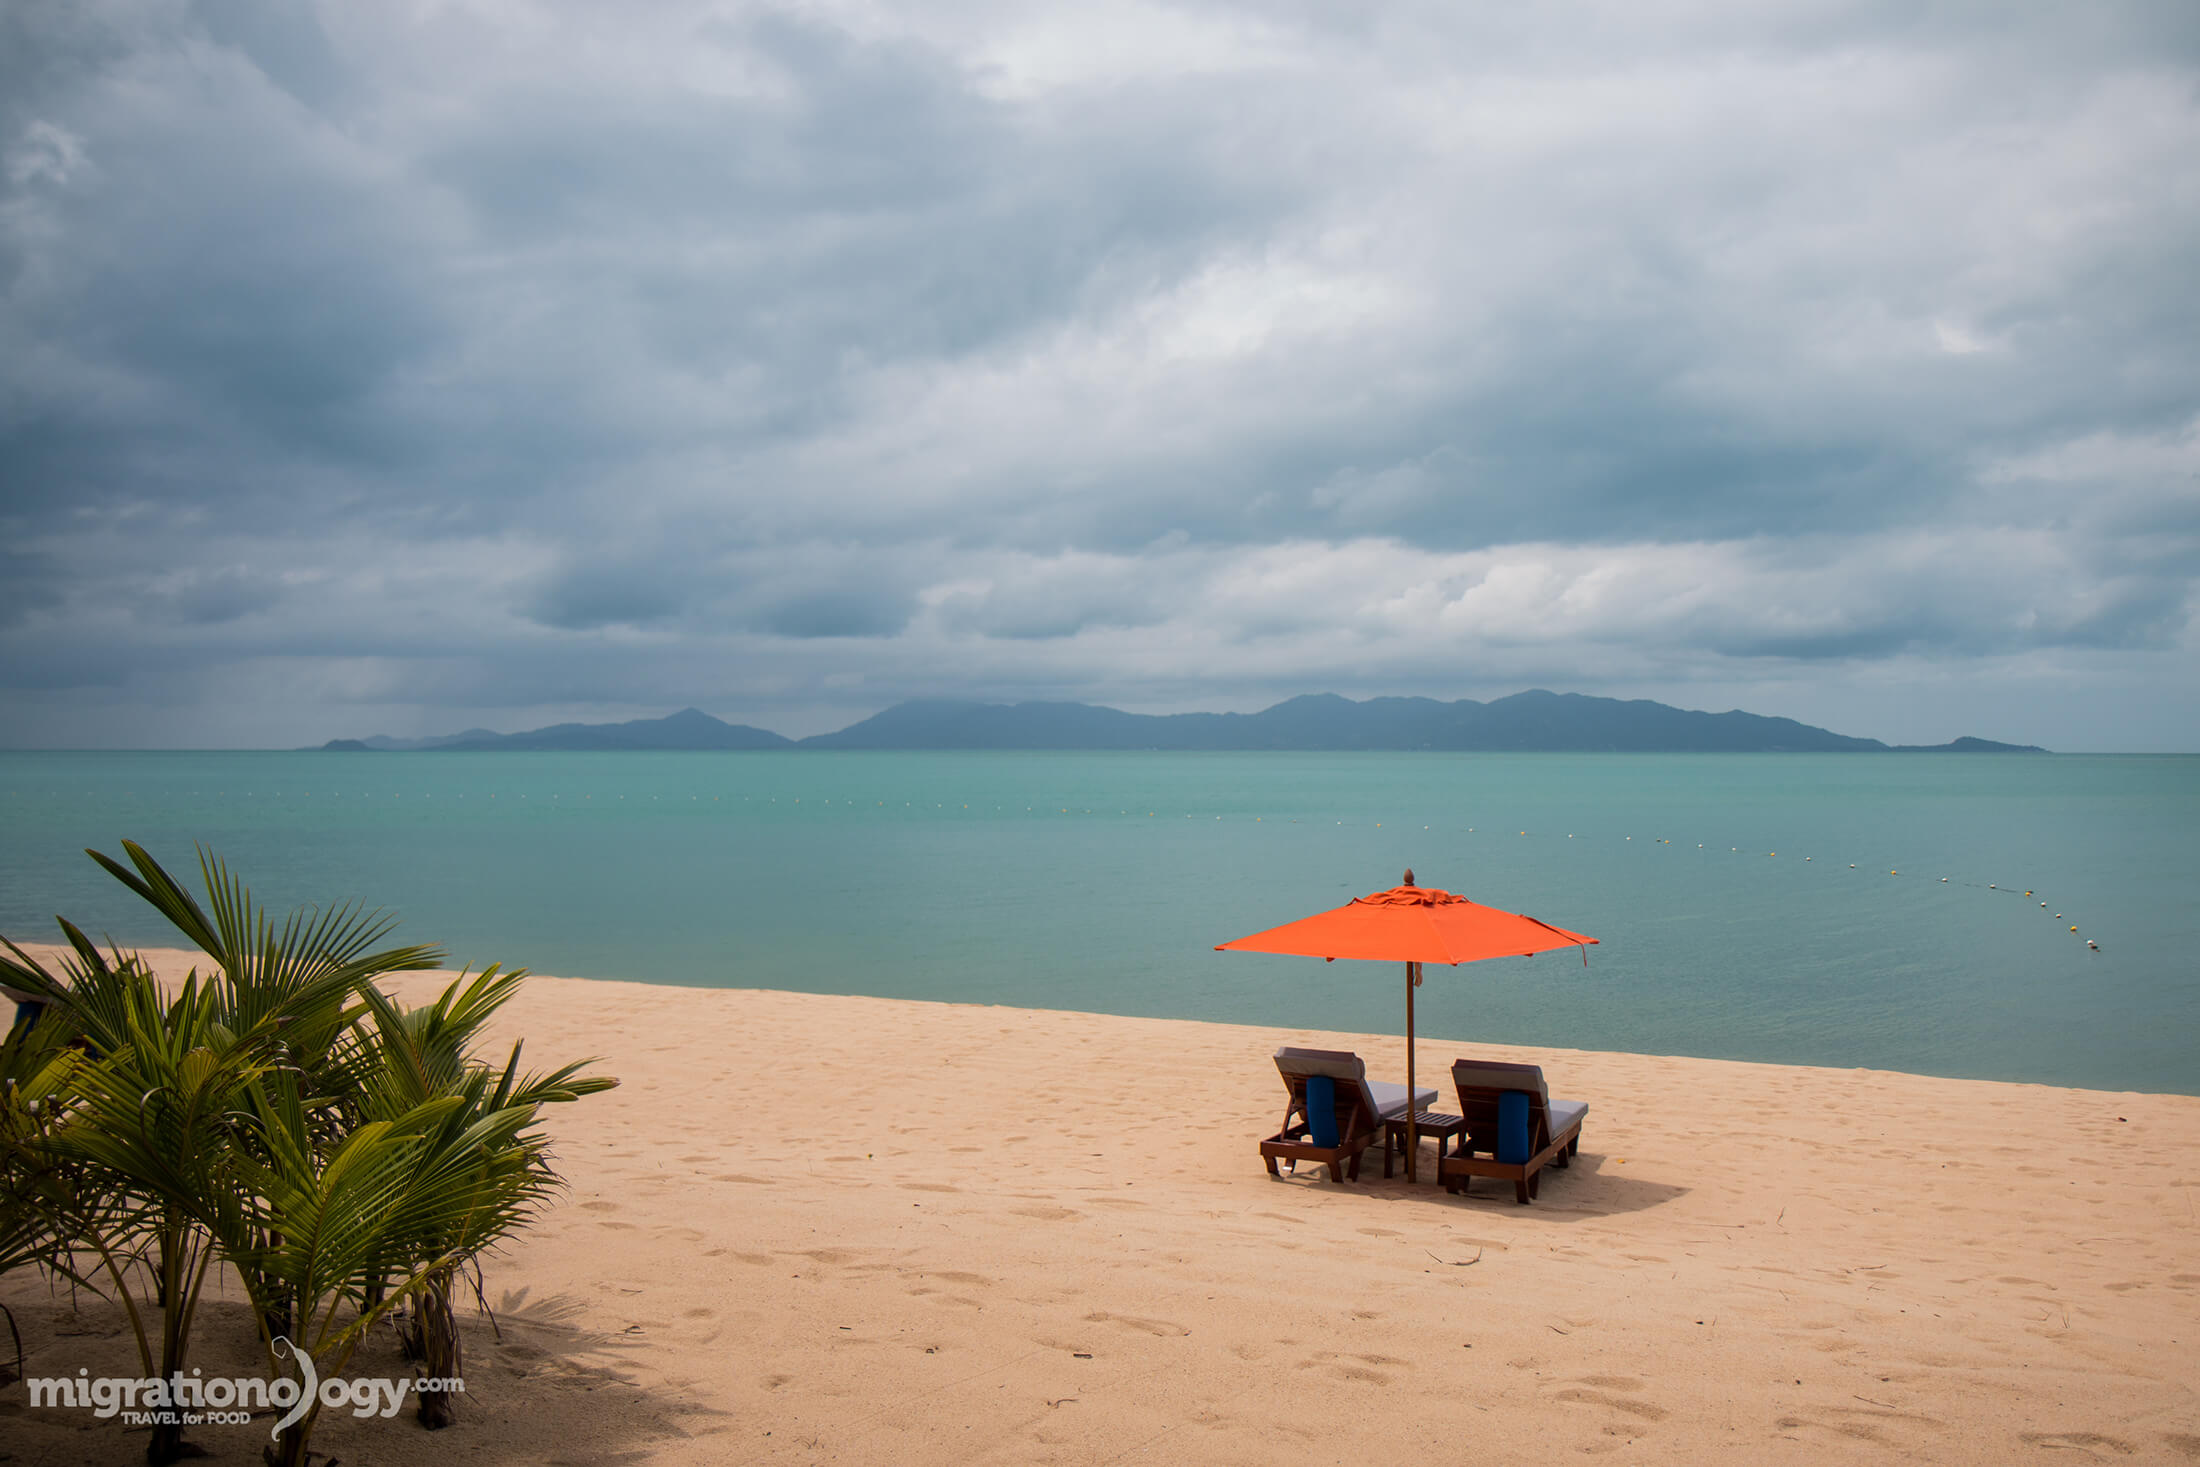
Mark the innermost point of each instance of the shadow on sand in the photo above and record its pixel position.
(1585, 1188)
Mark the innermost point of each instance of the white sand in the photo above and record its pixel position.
(813, 1229)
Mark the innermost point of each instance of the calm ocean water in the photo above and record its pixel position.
(1748, 906)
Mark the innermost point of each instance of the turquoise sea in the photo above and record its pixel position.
(1788, 908)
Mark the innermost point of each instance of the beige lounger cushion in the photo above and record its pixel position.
(1504, 1075)
(1382, 1099)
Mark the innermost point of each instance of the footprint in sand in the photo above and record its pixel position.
(1047, 1214)
(1603, 1390)
(1616, 1434)
(1157, 1327)
(1854, 1430)
(1359, 1369)
(2077, 1441)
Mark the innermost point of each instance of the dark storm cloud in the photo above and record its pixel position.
(852, 613)
(586, 597)
(27, 584)
(560, 360)
(210, 597)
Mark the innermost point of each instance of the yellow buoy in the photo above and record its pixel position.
(2073, 929)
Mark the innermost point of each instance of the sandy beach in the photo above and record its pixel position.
(841, 1229)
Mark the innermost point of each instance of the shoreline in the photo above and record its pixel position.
(174, 962)
(811, 1226)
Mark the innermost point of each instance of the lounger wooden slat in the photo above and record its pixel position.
(1356, 1131)
(1361, 1108)
(1554, 1128)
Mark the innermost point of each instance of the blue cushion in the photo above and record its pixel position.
(1321, 1110)
(1514, 1144)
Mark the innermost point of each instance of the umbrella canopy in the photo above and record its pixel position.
(1412, 925)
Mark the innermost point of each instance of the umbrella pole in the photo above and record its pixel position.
(1413, 1127)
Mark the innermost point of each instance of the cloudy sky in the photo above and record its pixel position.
(411, 366)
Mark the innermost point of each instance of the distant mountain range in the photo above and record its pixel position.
(1531, 722)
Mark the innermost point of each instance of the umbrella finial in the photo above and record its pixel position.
(1409, 876)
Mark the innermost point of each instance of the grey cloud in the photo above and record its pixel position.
(755, 344)
(27, 585)
(1026, 599)
(589, 597)
(210, 597)
(286, 44)
(838, 613)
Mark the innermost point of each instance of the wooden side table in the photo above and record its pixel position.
(1430, 1123)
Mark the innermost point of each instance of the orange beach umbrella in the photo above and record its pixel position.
(1412, 925)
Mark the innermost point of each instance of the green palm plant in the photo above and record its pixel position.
(344, 1155)
(156, 1107)
(47, 1206)
(36, 1195)
(484, 1154)
(444, 1162)
(331, 1226)
(154, 1114)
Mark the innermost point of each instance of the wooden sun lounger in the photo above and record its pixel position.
(1554, 1128)
(1361, 1107)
